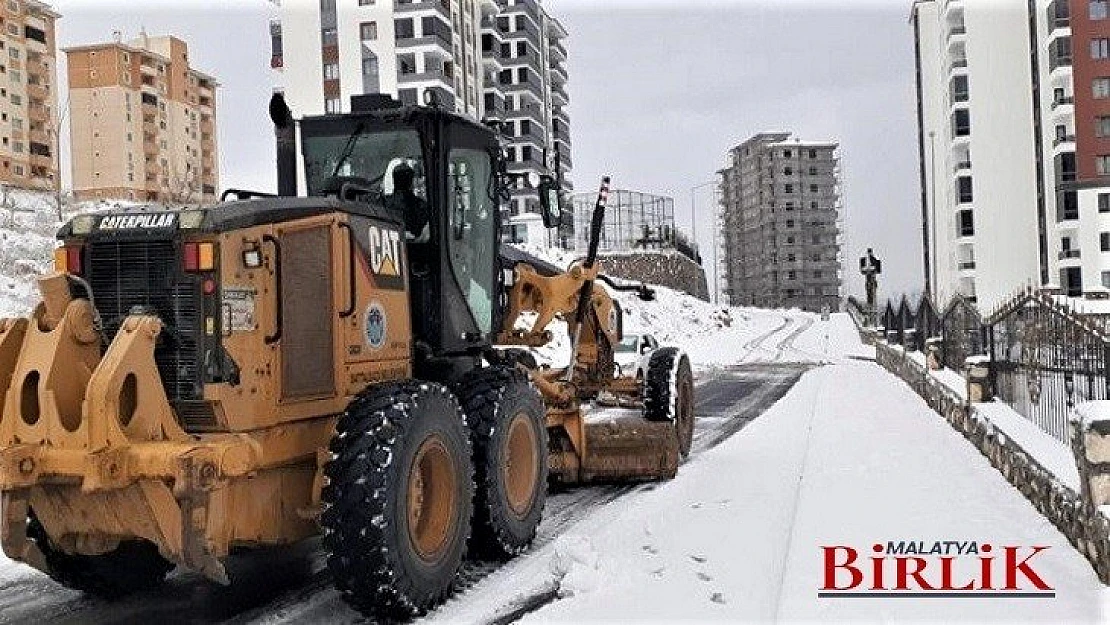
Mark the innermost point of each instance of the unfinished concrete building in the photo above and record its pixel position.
(780, 216)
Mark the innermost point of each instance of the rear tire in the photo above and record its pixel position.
(398, 499)
(669, 393)
(133, 566)
(508, 431)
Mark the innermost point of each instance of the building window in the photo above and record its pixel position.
(959, 88)
(1102, 165)
(331, 71)
(368, 31)
(329, 37)
(1100, 48)
(788, 188)
(965, 224)
(1102, 126)
(963, 189)
(787, 154)
(813, 153)
(1098, 9)
(813, 188)
(1104, 241)
(365, 3)
(1100, 88)
(331, 106)
(404, 28)
(1104, 202)
(961, 120)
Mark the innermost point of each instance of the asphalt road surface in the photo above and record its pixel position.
(292, 585)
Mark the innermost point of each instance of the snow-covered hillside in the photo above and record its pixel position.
(28, 223)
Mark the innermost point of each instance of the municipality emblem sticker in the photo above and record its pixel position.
(375, 325)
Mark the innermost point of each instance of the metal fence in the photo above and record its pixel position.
(962, 333)
(1045, 359)
(1044, 356)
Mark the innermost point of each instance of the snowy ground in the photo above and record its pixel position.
(851, 456)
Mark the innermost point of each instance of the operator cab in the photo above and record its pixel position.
(440, 174)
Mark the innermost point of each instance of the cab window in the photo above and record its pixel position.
(471, 237)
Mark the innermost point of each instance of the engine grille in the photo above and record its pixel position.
(126, 274)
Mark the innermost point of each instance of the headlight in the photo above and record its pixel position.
(83, 224)
(190, 220)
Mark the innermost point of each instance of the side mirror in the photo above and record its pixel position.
(551, 202)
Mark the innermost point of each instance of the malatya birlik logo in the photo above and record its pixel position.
(933, 569)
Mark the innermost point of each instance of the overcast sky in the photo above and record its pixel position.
(659, 92)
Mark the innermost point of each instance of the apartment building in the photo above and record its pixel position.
(29, 117)
(143, 122)
(1014, 145)
(525, 84)
(780, 219)
(329, 50)
(486, 59)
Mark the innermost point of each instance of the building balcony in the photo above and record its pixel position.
(961, 166)
(558, 51)
(559, 94)
(440, 40)
(408, 78)
(1063, 144)
(1062, 105)
(533, 112)
(957, 32)
(559, 71)
(958, 66)
(531, 86)
(1069, 258)
(405, 7)
(966, 265)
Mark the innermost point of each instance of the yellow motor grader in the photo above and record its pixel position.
(274, 366)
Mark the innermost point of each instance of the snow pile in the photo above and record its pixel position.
(28, 223)
(575, 566)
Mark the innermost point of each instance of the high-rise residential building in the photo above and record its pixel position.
(330, 50)
(29, 117)
(1014, 145)
(486, 59)
(142, 122)
(780, 223)
(526, 86)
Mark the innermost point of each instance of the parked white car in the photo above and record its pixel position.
(633, 352)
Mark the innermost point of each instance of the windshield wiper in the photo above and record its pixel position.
(349, 148)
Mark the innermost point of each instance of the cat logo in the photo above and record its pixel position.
(385, 252)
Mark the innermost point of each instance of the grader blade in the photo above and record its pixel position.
(632, 451)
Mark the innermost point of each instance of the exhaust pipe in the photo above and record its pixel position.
(285, 133)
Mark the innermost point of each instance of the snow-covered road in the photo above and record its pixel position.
(851, 456)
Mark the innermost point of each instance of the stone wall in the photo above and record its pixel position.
(665, 268)
(1076, 517)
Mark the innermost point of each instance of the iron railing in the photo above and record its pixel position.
(1045, 359)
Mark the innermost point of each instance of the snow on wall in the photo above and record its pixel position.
(1052, 488)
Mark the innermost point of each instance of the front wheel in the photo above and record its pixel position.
(398, 499)
(669, 393)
